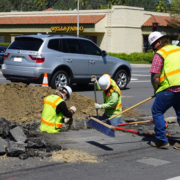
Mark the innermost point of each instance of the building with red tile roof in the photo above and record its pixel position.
(120, 29)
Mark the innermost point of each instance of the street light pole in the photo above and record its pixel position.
(78, 19)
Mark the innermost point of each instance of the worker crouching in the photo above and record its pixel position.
(112, 98)
(54, 109)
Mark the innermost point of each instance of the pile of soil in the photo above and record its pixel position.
(73, 156)
(21, 103)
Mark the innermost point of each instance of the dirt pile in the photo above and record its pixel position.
(73, 156)
(21, 103)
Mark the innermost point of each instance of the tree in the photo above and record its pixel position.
(161, 7)
(5, 6)
(175, 14)
(40, 3)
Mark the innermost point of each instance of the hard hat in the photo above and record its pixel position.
(104, 81)
(66, 89)
(154, 36)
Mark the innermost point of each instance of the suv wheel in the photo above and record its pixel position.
(60, 78)
(121, 79)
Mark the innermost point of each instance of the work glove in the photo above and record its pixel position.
(93, 79)
(97, 106)
(66, 120)
(73, 108)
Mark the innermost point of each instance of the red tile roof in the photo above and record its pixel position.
(162, 20)
(49, 9)
(83, 19)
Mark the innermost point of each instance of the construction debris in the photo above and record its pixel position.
(18, 134)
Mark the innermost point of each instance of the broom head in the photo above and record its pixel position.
(102, 127)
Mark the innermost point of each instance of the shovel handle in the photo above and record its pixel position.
(132, 107)
(137, 122)
(95, 99)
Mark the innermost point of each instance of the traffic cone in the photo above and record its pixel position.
(45, 80)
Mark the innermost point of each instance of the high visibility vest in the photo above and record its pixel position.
(170, 73)
(106, 95)
(50, 121)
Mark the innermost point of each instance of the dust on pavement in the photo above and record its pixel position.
(73, 156)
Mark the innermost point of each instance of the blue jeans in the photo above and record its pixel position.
(115, 121)
(164, 100)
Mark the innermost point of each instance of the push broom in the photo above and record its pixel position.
(108, 129)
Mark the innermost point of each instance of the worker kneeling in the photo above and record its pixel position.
(112, 98)
(55, 108)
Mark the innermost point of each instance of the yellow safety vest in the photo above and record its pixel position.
(170, 73)
(50, 121)
(106, 95)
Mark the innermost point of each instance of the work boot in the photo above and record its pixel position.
(159, 144)
(176, 146)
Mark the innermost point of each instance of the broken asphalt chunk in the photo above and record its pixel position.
(15, 148)
(18, 134)
(4, 127)
(3, 145)
(36, 143)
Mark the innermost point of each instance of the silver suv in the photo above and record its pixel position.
(66, 59)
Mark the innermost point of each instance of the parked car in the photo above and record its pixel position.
(2, 50)
(66, 59)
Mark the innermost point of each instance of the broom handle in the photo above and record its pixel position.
(95, 99)
(132, 107)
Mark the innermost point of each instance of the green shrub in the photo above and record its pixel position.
(5, 44)
(134, 56)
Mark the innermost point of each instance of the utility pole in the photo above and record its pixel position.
(78, 19)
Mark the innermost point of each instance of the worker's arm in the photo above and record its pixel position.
(156, 67)
(63, 108)
(155, 81)
(98, 87)
(112, 102)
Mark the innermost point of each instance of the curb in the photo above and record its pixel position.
(140, 65)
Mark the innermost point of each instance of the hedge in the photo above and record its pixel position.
(5, 44)
(134, 56)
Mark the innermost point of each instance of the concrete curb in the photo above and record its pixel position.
(140, 65)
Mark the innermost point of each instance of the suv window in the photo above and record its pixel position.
(64, 46)
(90, 48)
(54, 44)
(24, 43)
(74, 46)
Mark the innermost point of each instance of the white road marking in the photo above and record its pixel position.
(140, 75)
(175, 178)
(141, 81)
(133, 79)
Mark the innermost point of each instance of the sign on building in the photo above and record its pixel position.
(66, 28)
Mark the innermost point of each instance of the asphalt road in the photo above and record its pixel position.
(125, 157)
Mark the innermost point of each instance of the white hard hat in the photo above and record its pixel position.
(104, 81)
(66, 89)
(154, 36)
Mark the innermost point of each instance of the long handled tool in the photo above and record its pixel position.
(95, 99)
(137, 122)
(107, 129)
(141, 133)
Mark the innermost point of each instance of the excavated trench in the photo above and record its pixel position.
(21, 107)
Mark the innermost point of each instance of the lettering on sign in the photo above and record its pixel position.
(67, 28)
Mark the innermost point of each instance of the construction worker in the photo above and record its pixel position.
(54, 109)
(165, 79)
(112, 98)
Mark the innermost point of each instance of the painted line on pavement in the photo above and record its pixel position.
(140, 75)
(175, 178)
(133, 79)
(140, 81)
